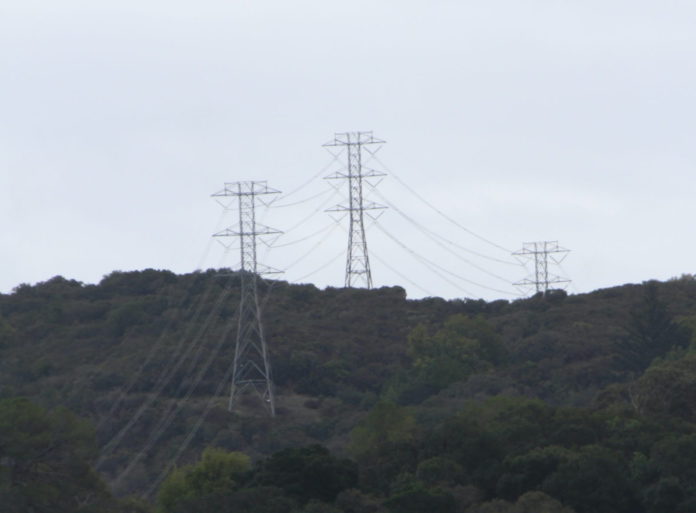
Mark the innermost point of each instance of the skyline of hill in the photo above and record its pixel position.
(142, 355)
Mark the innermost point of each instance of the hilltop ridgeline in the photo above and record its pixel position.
(441, 405)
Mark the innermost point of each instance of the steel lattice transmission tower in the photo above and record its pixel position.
(542, 252)
(356, 144)
(252, 369)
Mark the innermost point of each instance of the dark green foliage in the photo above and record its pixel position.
(667, 389)
(530, 502)
(462, 347)
(593, 480)
(439, 470)
(530, 470)
(651, 332)
(217, 474)
(307, 473)
(672, 456)
(44, 462)
(384, 444)
(386, 424)
(664, 496)
(249, 500)
(671, 473)
(310, 375)
(522, 407)
(417, 498)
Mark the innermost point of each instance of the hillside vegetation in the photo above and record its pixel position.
(563, 403)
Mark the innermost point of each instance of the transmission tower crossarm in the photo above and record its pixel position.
(357, 138)
(264, 230)
(365, 206)
(370, 173)
(245, 189)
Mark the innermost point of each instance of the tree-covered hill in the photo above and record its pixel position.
(460, 405)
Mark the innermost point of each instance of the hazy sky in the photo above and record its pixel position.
(521, 121)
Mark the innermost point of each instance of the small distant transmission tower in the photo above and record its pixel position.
(356, 174)
(252, 369)
(542, 252)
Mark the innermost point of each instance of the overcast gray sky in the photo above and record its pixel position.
(520, 120)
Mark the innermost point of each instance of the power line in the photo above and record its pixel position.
(440, 212)
(174, 407)
(320, 268)
(248, 231)
(433, 264)
(305, 255)
(159, 387)
(300, 202)
(572, 283)
(426, 262)
(156, 348)
(399, 274)
(192, 433)
(174, 360)
(310, 180)
(184, 445)
(313, 213)
(439, 243)
(445, 239)
(160, 340)
(297, 241)
(209, 245)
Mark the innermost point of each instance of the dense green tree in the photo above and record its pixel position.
(355, 501)
(530, 502)
(461, 338)
(528, 471)
(44, 460)
(651, 332)
(463, 346)
(315, 506)
(263, 499)
(307, 473)
(410, 495)
(419, 499)
(387, 423)
(384, 444)
(468, 443)
(675, 456)
(594, 480)
(440, 470)
(664, 496)
(216, 474)
(63, 342)
(667, 389)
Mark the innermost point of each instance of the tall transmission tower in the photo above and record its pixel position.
(356, 144)
(542, 252)
(252, 369)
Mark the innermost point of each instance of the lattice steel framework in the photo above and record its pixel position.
(356, 144)
(542, 252)
(252, 369)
